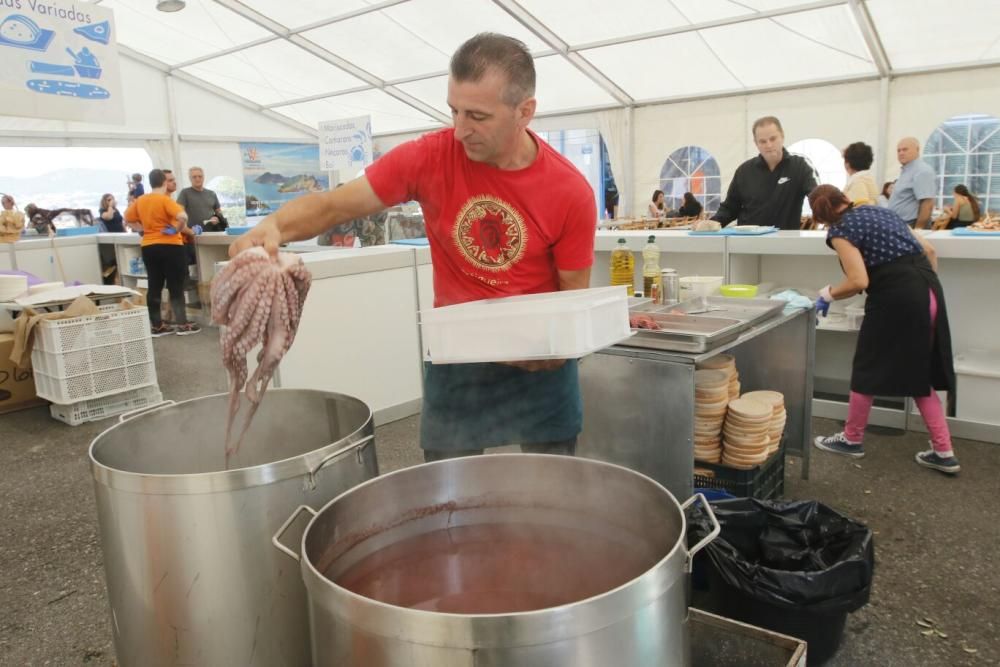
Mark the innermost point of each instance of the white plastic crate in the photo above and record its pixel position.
(112, 325)
(83, 358)
(553, 325)
(94, 409)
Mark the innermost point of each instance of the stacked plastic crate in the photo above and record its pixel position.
(96, 366)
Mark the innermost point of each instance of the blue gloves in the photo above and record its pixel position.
(824, 301)
(197, 229)
(169, 230)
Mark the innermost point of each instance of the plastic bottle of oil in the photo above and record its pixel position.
(623, 267)
(650, 266)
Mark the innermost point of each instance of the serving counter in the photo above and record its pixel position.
(969, 269)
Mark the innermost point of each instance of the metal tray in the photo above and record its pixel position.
(706, 322)
(722, 642)
(685, 333)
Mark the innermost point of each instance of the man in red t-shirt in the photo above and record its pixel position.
(505, 214)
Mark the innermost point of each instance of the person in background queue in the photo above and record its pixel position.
(657, 209)
(904, 346)
(135, 187)
(163, 221)
(611, 198)
(883, 199)
(913, 193)
(965, 209)
(691, 207)
(201, 204)
(505, 215)
(768, 189)
(111, 217)
(860, 187)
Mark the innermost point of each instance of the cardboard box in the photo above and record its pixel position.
(17, 387)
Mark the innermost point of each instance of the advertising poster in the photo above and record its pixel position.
(59, 60)
(277, 173)
(346, 144)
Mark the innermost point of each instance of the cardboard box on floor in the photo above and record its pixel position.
(17, 387)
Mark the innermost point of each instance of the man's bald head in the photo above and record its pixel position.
(907, 150)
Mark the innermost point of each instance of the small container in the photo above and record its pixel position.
(670, 289)
(738, 291)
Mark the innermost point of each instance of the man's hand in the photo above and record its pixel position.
(535, 366)
(265, 235)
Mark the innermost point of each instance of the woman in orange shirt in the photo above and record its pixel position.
(163, 223)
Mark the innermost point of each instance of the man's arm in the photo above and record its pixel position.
(730, 208)
(924, 213)
(574, 279)
(310, 215)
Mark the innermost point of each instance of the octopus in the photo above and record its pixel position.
(258, 300)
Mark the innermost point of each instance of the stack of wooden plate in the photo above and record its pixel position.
(778, 417)
(727, 364)
(746, 434)
(711, 397)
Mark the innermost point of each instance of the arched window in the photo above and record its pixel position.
(691, 169)
(826, 159)
(966, 150)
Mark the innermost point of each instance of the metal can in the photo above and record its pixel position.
(670, 290)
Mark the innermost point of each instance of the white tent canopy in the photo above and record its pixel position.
(312, 60)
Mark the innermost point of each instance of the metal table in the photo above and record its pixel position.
(638, 404)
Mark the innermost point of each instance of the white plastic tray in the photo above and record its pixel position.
(552, 325)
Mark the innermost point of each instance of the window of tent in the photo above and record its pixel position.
(583, 149)
(965, 150)
(70, 177)
(827, 161)
(691, 169)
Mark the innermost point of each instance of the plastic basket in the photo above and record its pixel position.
(83, 358)
(94, 409)
(112, 325)
(551, 325)
(764, 482)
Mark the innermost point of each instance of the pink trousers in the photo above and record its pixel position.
(859, 407)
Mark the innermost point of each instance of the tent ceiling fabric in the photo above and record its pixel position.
(313, 60)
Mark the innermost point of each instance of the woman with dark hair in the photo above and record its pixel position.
(860, 187)
(904, 346)
(111, 217)
(657, 209)
(883, 199)
(691, 207)
(966, 209)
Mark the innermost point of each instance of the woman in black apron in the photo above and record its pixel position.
(904, 346)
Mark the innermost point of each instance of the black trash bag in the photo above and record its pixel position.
(794, 555)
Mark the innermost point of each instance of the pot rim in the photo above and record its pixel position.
(495, 630)
(221, 481)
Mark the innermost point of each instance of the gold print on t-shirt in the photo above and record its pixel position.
(490, 233)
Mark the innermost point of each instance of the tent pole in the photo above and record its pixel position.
(882, 147)
(175, 142)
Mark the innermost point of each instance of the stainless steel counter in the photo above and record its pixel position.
(638, 404)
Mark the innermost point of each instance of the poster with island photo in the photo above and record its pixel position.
(276, 173)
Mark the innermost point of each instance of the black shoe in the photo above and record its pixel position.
(161, 330)
(187, 329)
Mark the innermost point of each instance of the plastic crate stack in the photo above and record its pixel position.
(96, 366)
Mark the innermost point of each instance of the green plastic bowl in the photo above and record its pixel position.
(739, 291)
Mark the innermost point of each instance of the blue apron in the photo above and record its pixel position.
(474, 406)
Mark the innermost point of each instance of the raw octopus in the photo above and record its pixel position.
(258, 299)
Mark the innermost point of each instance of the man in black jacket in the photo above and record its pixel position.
(768, 189)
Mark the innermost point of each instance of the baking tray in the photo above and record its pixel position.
(717, 641)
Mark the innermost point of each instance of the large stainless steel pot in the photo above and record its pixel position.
(191, 579)
(638, 624)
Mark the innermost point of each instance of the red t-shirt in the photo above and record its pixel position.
(492, 232)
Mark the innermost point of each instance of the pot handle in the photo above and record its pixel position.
(276, 540)
(354, 446)
(138, 411)
(716, 528)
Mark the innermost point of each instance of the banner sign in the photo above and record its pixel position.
(59, 60)
(346, 144)
(276, 173)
